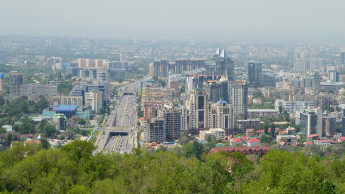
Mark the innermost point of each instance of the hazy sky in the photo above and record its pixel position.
(174, 18)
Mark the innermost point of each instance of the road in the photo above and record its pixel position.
(122, 119)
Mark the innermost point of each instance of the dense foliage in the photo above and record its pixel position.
(11, 111)
(73, 168)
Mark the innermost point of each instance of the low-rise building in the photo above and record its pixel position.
(287, 140)
(253, 142)
(216, 132)
(260, 113)
(243, 125)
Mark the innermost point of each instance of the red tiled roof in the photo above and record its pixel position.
(322, 140)
(142, 118)
(239, 149)
(335, 141)
(254, 140)
(314, 135)
(260, 131)
(282, 132)
(342, 139)
(235, 140)
(308, 143)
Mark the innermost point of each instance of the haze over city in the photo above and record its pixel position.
(245, 19)
(172, 96)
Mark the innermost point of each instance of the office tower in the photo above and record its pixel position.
(155, 130)
(238, 97)
(301, 65)
(116, 74)
(94, 100)
(342, 58)
(333, 75)
(2, 82)
(16, 79)
(60, 122)
(123, 57)
(328, 126)
(254, 74)
(310, 121)
(217, 90)
(196, 116)
(224, 65)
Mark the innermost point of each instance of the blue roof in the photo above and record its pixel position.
(223, 101)
(67, 108)
(1, 75)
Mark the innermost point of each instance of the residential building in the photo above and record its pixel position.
(221, 115)
(155, 130)
(72, 100)
(217, 90)
(260, 113)
(38, 90)
(287, 140)
(218, 133)
(196, 115)
(243, 125)
(172, 115)
(238, 97)
(253, 142)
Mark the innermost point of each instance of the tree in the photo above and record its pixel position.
(155, 78)
(45, 143)
(81, 121)
(265, 139)
(193, 149)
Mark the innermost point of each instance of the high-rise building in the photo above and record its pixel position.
(310, 121)
(196, 114)
(2, 82)
(301, 65)
(173, 121)
(238, 97)
(328, 126)
(342, 58)
(123, 57)
(60, 122)
(333, 75)
(217, 90)
(155, 130)
(224, 65)
(254, 74)
(16, 79)
(221, 115)
(94, 99)
(161, 68)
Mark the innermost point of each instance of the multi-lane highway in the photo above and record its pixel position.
(119, 135)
